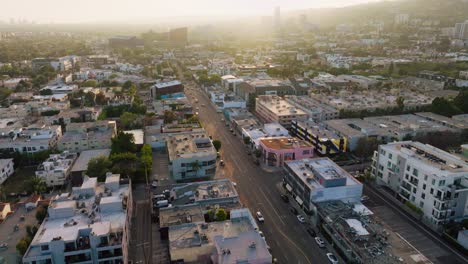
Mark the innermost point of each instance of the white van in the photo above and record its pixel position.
(163, 203)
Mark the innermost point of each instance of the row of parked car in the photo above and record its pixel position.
(320, 242)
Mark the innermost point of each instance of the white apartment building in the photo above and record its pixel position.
(273, 109)
(30, 139)
(6, 169)
(88, 135)
(431, 179)
(56, 169)
(87, 225)
(191, 156)
(319, 180)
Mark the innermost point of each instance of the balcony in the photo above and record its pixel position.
(406, 187)
(77, 258)
(404, 195)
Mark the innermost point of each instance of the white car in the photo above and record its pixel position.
(261, 234)
(260, 217)
(320, 242)
(301, 218)
(154, 184)
(3, 246)
(332, 258)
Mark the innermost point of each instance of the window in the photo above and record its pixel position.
(390, 155)
(45, 247)
(423, 195)
(408, 168)
(425, 177)
(306, 152)
(442, 183)
(432, 191)
(415, 172)
(421, 204)
(456, 195)
(433, 181)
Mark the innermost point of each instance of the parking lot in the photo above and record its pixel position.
(11, 237)
(419, 240)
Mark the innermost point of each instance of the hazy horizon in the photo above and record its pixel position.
(85, 11)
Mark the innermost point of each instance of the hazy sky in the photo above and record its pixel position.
(125, 10)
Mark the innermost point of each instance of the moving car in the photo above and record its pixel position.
(261, 234)
(154, 184)
(301, 218)
(221, 163)
(332, 258)
(364, 198)
(260, 217)
(320, 242)
(3, 246)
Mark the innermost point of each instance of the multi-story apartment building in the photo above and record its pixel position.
(431, 179)
(319, 180)
(56, 169)
(6, 169)
(88, 135)
(313, 108)
(461, 30)
(88, 225)
(30, 139)
(191, 156)
(325, 142)
(273, 109)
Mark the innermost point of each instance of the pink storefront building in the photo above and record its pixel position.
(275, 151)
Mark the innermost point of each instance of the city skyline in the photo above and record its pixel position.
(54, 11)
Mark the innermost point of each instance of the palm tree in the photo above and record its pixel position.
(37, 185)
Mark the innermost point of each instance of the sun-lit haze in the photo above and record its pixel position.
(72, 11)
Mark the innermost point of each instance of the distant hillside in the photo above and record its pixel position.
(447, 11)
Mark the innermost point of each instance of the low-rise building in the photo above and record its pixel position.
(274, 109)
(88, 135)
(314, 109)
(78, 170)
(163, 88)
(432, 180)
(276, 151)
(325, 141)
(61, 88)
(30, 139)
(191, 156)
(56, 169)
(89, 224)
(192, 240)
(6, 169)
(206, 193)
(318, 180)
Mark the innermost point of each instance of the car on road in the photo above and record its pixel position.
(364, 198)
(221, 163)
(234, 184)
(261, 234)
(332, 258)
(260, 217)
(154, 184)
(196, 113)
(159, 197)
(161, 204)
(293, 210)
(301, 218)
(3, 246)
(311, 232)
(222, 119)
(227, 124)
(320, 242)
(285, 198)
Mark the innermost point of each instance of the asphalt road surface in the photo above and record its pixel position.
(259, 191)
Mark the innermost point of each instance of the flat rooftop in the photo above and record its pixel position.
(81, 164)
(185, 145)
(285, 143)
(311, 171)
(278, 106)
(206, 191)
(318, 129)
(429, 155)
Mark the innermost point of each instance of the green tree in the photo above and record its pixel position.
(36, 185)
(90, 83)
(221, 215)
(45, 92)
(129, 120)
(123, 142)
(217, 144)
(124, 164)
(444, 107)
(169, 117)
(461, 101)
(366, 147)
(98, 167)
(41, 213)
(101, 99)
(22, 246)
